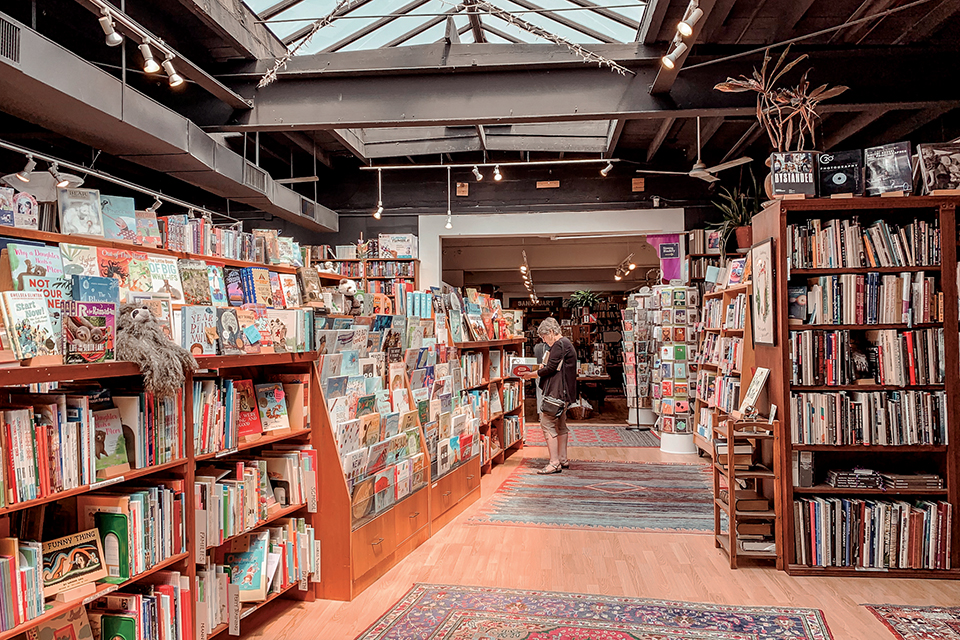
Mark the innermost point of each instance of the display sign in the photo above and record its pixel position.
(669, 250)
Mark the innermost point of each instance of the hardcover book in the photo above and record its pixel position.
(165, 277)
(940, 166)
(252, 339)
(232, 338)
(793, 173)
(276, 291)
(119, 218)
(160, 307)
(26, 211)
(309, 284)
(888, 169)
(256, 286)
(841, 172)
(248, 417)
(80, 212)
(111, 450)
(72, 561)
(291, 290)
(89, 332)
(247, 560)
(39, 268)
(115, 538)
(195, 281)
(148, 230)
(79, 259)
(28, 324)
(218, 290)
(233, 280)
(95, 289)
(70, 625)
(797, 303)
(283, 330)
(273, 408)
(199, 331)
(6, 207)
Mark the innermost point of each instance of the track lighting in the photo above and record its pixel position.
(523, 268)
(631, 266)
(606, 170)
(156, 205)
(618, 277)
(685, 27)
(379, 211)
(113, 38)
(449, 224)
(670, 61)
(477, 174)
(24, 176)
(175, 79)
(58, 178)
(496, 173)
(150, 64)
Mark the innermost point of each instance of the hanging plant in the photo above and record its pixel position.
(583, 298)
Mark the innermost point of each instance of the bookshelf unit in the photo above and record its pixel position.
(496, 425)
(182, 468)
(376, 275)
(939, 458)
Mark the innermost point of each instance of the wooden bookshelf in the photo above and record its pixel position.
(773, 222)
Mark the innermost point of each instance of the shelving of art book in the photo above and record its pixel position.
(675, 315)
(869, 318)
(638, 348)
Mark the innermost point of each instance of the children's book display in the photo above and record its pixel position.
(675, 340)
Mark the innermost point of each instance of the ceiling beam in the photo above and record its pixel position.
(658, 139)
(237, 25)
(930, 23)
(613, 136)
(567, 22)
(610, 14)
(857, 32)
(308, 144)
(851, 128)
(352, 142)
(429, 24)
(708, 127)
(789, 18)
(653, 16)
(758, 7)
(503, 34)
(483, 137)
(666, 77)
(475, 23)
(303, 31)
(749, 137)
(716, 19)
(905, 127)
(373, 26)
(277, 9)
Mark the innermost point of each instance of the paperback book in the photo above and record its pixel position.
(148, 230)
(793, 173)
(888, 169)
(841, 172)
(79, 259)
(165, 276)
(95, 289)
(6, 207)
(26, 211)
(218, 290)
(940, 166)
(72, 562)
(110, 455)
(199, 331)
(272, 407)
(28, 324)
(195, 281)
(119, 218)
(39, 268)
(233, 281)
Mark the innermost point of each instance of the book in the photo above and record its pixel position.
(747, 500)
(233, 280)
(72, 561)
(232, 339)
(888, 169)
(940, 166)
(89, 332)
(80, 212)
(119, 218)
(248, 416)
(753, 391)
(256, 286)
(73, 624)
(195, 281)
(148, 230)
(95, 289)
(276, 291)
(28, 324)
(40, 268)
(246, 558)
(6, 207)
(309, 284)
(797, 303)
(159, 305)
(199, 331)
(165, 277)
(272, 407)
(793, 173)
(115, 532)
(130, 268)
(840, 172)
(110, 453)
(78, 259)
(291, 290)
(218, 290)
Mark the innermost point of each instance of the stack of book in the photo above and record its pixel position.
(742, 454)
(911, 481)
(855, 479)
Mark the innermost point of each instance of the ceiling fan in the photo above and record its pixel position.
(701, 170)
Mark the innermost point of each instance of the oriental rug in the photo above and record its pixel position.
(604, 496)
(442, 612)
(919, 623)
(596, 435)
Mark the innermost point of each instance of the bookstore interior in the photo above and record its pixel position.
(273, 279)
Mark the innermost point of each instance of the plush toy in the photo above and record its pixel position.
(140, 339)
(354, 299)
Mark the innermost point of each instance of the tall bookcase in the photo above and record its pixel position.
(941, 459)
(374, 273)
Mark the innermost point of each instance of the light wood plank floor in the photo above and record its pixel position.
(648, 565)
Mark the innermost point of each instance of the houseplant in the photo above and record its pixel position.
(738, 207)
(583, 298)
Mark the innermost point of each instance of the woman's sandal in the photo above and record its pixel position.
(550, 469)
(564, 465)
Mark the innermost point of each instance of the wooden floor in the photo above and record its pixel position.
(648, 565)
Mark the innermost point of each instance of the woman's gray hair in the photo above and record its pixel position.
(548, 326)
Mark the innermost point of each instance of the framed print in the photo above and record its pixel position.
(764, 304)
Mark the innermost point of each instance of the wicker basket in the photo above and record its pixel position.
(578, 412)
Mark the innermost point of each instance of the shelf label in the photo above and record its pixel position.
(303, 584)
(316, 556)
(100, 594)
(106, 483)
(226, 452)
(233, 609)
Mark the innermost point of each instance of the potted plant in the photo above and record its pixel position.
(738, 207)
(584, 299)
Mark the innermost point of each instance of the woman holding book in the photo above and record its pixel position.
(557, 378)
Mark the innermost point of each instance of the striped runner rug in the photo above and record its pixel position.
(596, 435)
(604, 496)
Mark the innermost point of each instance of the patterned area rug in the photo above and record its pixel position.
(604, 496)
(596, 435)
(441, 612)
(919, 623)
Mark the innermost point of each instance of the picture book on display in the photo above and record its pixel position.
(165, 276)
(248, 416)
(233, 281)
(26, 211)
(130, 268)
(196, 282)
(160, 308)
(841, 172)
(95, 289)
(39, 268)
(247, 560)
(273, 408)
(78, 259)
(232, 337)
(28, 324)
(80, 212)
(218, 290)
(119, 218)
(72, 562)
(794, 173)
(89, 331)
(940, 166)
(6, 207)
(111, 448)
(888, 169)
(309, 284)
(199, 331)
(148, 230)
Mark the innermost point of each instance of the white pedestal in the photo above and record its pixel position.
(641, 417)
(677, 443)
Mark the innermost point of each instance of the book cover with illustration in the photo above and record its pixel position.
(940, 166)
(140, 275)
(6, 207)
(291, 290)
(148, 229)
(888, 169)
(159, 306)
(195, 281)
(248, 417)
(26, 211)
(233, 281)
(309, 284)
(28, 324)
(218, 289)
(70, 625)
(95, 289)
(252, 342)
(276, 291)
(257, 286)
(263, 324)
(165, 277)
(119, 218)
(115, 263)
(89, 332)
(273, 408)
(232, 338)
(246, 559)
(79, 260)
(841, 172)
(199, 331)
(794, 173)
(40, 268)
(110, 455)
(80, 212)
(72, 561)
(283, 329)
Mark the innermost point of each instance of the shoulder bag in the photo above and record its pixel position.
(551, 406)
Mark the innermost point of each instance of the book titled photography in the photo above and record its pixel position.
(940, 166)
(888, 169)
(841, 173)
(793, 173)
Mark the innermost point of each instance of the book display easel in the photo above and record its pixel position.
(867, 383)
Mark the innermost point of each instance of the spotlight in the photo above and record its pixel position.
(175, 79)
(156, 205)
(523, 268)
(150, 64)
(618, 277)
(477, 174)
(449, 224)
(378, 212)
(60, 180)
(106, 23)
(670, 61)
(496, 173)
(24, 176)
(606, 170)
(685, 28)
(631, 266)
